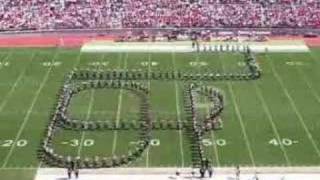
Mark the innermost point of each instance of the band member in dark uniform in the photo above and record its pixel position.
(202, 172)
(69, 172)
(76, 172)
(237, 173)
(210, 171)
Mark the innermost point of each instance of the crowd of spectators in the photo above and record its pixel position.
(60, 14)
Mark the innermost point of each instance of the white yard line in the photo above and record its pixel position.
(115, 136)
(215, 148)
(74, 66)
(149, 87)
(27, 116)
(306, 80)
(14, 86)
(178, 110)
(241, 124)
(238, 113)
(270, 118)
(214, 144)
(83, 133)
(40, 165)
(7, 56)
(294, 107)
(118, 116)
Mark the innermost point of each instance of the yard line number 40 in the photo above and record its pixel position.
(283, 141)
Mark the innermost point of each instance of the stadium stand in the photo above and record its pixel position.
(69, 14)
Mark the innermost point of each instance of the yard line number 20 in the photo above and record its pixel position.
(10, 142)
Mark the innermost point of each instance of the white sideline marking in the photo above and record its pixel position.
(115, 136)
(247, 173)
(270, 118)
(294, 107)
(243, 128)
(26, 118)
(178, 110)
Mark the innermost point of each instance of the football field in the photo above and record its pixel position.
(271, 121)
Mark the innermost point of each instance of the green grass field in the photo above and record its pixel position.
(273, 121)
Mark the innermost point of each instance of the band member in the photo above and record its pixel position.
(210, 171)
(69, 173)
(202, 172)
(76, 173)
(237, 172)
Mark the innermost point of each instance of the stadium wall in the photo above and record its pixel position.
(49, 40)
(68, 39)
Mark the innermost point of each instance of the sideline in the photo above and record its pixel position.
(173, 170)
(280, 46)
(264, 173)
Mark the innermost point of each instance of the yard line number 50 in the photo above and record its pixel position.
(218, 142)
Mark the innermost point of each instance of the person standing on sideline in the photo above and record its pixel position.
(238, 173)
(178, 174)
(69, 172)
(202, 172)
(76, 172)
(210, 171)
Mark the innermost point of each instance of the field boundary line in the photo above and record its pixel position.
(238, 113)
(119, 108)
(295, 108)
(27, 116)
(173, 57)
(273, 125)
(15, 84)
(173, 170)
